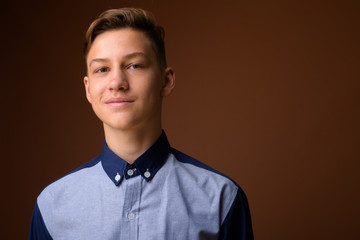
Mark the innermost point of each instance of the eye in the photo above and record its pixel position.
(135, 66)
(102, 70)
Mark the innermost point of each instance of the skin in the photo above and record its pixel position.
(125, 87)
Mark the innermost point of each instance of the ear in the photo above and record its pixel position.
(169, 82)
(87, 88)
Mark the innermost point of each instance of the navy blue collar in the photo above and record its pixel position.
(146, 165)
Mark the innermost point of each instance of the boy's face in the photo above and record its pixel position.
(124, 84)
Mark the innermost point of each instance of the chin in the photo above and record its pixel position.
(122, 125)
(118, 126)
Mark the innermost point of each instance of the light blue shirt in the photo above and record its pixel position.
(164, 194)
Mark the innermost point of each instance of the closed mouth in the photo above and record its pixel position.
(119, 102)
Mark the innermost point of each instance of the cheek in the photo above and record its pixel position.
(153, 91)
(95, 90)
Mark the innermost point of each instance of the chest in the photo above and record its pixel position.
(163, 209)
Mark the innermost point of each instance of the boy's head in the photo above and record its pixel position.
(134, 18)
(127, 76)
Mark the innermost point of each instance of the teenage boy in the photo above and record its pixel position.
(138, 187)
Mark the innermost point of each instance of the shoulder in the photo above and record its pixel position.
(205, 183)
(66, 185)
(204, 168)
(64, 199)
(234, 210)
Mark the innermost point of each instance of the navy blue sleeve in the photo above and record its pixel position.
(237, 224)
(38, 230)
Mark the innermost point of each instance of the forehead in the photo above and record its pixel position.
(120, 42)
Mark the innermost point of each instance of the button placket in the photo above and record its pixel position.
(130, 221)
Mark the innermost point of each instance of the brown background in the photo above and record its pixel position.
(267, 92)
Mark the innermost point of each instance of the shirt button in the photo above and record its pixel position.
(147, 174)
(130, 172)
(131, 216)
(117, 177)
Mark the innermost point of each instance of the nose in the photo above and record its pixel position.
(118, 81)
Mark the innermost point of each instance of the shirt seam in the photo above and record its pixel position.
(230, 203)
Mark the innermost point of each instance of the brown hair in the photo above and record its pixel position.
(135, 18)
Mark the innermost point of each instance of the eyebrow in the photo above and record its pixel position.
(128, 56)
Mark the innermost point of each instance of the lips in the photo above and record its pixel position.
(119, 102)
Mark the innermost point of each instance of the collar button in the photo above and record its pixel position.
(130, 172)
(117, 177)
(147, 174)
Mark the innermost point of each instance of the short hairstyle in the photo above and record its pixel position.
(134, 18)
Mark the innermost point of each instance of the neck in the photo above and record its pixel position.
(131, 144)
